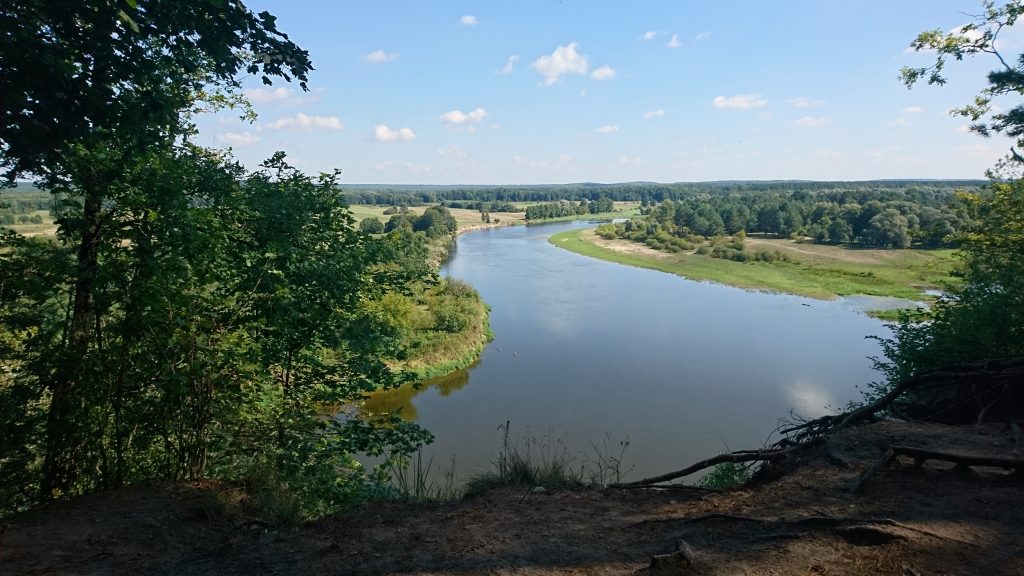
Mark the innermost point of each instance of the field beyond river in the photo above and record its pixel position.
(811, 270)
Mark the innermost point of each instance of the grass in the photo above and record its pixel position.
(528, 463)
(822, 272)
(47, 228)
(466, 219)
(725, 476)
(411, 481)
(545, 462)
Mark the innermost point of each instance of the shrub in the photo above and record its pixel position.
(725, 476)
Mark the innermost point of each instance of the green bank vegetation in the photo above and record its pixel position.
(824, 272)
(192, 317)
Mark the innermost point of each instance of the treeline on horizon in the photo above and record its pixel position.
(415, 195)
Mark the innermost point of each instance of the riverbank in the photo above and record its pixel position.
(815, 271)
(447, 325)
(907, 520)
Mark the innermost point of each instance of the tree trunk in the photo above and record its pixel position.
(64, 442)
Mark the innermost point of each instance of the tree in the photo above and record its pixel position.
(371, 225)
(982, 317)
(839, 231)
(89, 88)
(231, 311)
(435, 221)
(888, 228)
(972, 39)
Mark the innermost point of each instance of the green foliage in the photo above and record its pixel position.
(127, 70)
(832, 218)
(371, 226)
(983, 317)
(725, 476)
(979, 37)
(230, 310)
(435, 222)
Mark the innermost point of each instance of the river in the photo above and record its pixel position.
(588, 352)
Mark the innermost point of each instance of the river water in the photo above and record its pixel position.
(589, 352)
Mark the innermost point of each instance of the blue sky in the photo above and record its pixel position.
(545, 92)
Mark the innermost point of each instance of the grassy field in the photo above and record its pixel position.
(466, 219)
(622, 210)
(47, 228)
(815, 271)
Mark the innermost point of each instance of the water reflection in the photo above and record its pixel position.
(399, 400)
(809, 399)
(683, 369)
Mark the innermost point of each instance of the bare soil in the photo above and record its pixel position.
(907, 520)
(624, 246)
(820, 253)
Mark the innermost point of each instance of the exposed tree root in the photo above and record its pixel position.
(920, 455)
(849, 528)
(994, 374)
(739, 456)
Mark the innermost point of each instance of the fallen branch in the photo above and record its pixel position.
(668, 488)
(734, 457)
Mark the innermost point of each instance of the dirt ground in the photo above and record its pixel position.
(625, 246)
(823, 253)
(907, 520)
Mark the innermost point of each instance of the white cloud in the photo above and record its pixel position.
(702, 36)
(267, 95)
(280, 96)
(812, 122)
(674, 42)
(380, 57)
(381, 133)
(654, 113)
(305, 123)
(739, 101)
(564, 60)
(468, 20)
(805, 102)
(913, 110)
(603, 73)
(649, 35)
(458, 118)
(899, 122)
(636, 160)
(507, 69)
(236, 139)
(608, 129)
(766, 115)
(962, 129)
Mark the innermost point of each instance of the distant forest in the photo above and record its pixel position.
(927, 191)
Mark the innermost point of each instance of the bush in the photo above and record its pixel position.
(725, 476)
(371, 225)
(451, 316)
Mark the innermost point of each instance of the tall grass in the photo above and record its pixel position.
(411, 480)
(528, 462)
